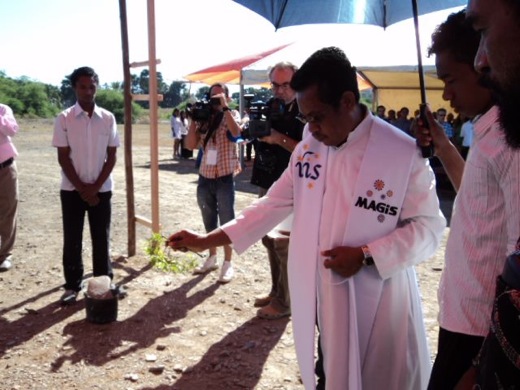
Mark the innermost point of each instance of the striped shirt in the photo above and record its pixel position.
(227, 157)
(484, 229)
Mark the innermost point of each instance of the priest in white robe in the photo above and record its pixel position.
(365, 212)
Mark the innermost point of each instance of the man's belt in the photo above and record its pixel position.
(6, 163)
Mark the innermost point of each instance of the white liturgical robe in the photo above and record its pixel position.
(373, 190)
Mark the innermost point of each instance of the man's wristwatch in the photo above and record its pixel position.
(368, 259)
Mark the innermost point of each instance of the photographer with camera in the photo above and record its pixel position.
(272, 156)
(214, 127)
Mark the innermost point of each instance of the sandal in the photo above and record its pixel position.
(263, 301)
(270, 313)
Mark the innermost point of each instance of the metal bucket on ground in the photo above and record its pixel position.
(101, 311)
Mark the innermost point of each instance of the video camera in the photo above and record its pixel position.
(262, 115)
(201, 110)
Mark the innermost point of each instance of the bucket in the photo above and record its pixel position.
(101, 311)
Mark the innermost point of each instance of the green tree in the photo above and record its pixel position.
(35, 99)
(29, 98)
(141, 85)
(175, 94)
(117, 85)
(162, 87)
(54, 95)
(68, 96)
(8, 88)
(144, 81)
(134, 88)
(201, 93)
(114, 102)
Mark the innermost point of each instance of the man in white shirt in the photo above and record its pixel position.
(86, 138)
(365, 211)
(486, 216)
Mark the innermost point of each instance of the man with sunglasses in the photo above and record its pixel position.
(365, 212)
(272, 157)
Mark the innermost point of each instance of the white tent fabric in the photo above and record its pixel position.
(398, 86)
(391, 71)
(393, 86)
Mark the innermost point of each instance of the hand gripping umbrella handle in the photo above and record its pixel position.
(426, 151)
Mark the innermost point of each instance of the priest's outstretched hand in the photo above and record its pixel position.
(187, 240)
(344, 260)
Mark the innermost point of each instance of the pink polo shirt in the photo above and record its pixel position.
(8, 128)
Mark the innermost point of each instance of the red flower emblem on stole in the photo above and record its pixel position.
(379, 185)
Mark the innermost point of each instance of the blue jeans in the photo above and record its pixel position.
(73, 210)
(216, 200)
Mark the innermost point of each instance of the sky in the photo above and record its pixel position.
(45, 40)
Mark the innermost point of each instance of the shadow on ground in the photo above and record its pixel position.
(235, 362)
(36, 321)
(120, 338)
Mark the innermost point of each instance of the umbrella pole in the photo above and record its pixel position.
(426, 151)
(419, 53)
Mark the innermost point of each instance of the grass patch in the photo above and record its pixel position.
(167, 260)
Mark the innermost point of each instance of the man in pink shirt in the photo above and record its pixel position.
(9, 186)
(486, 216)
(498, 59)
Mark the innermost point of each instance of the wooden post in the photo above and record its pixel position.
(154, 142)
(130, 205)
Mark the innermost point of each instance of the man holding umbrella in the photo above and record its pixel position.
(365, 211)
(498, 364)
(487, 206)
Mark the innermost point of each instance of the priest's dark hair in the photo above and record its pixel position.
(329, 69)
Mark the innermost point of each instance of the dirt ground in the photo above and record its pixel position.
(173, 331)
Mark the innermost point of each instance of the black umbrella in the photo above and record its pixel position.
(285, 13)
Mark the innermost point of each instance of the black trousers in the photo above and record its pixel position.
(99, 217)
(455, 353)
(319, 369)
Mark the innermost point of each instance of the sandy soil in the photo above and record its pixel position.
(173, 331)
